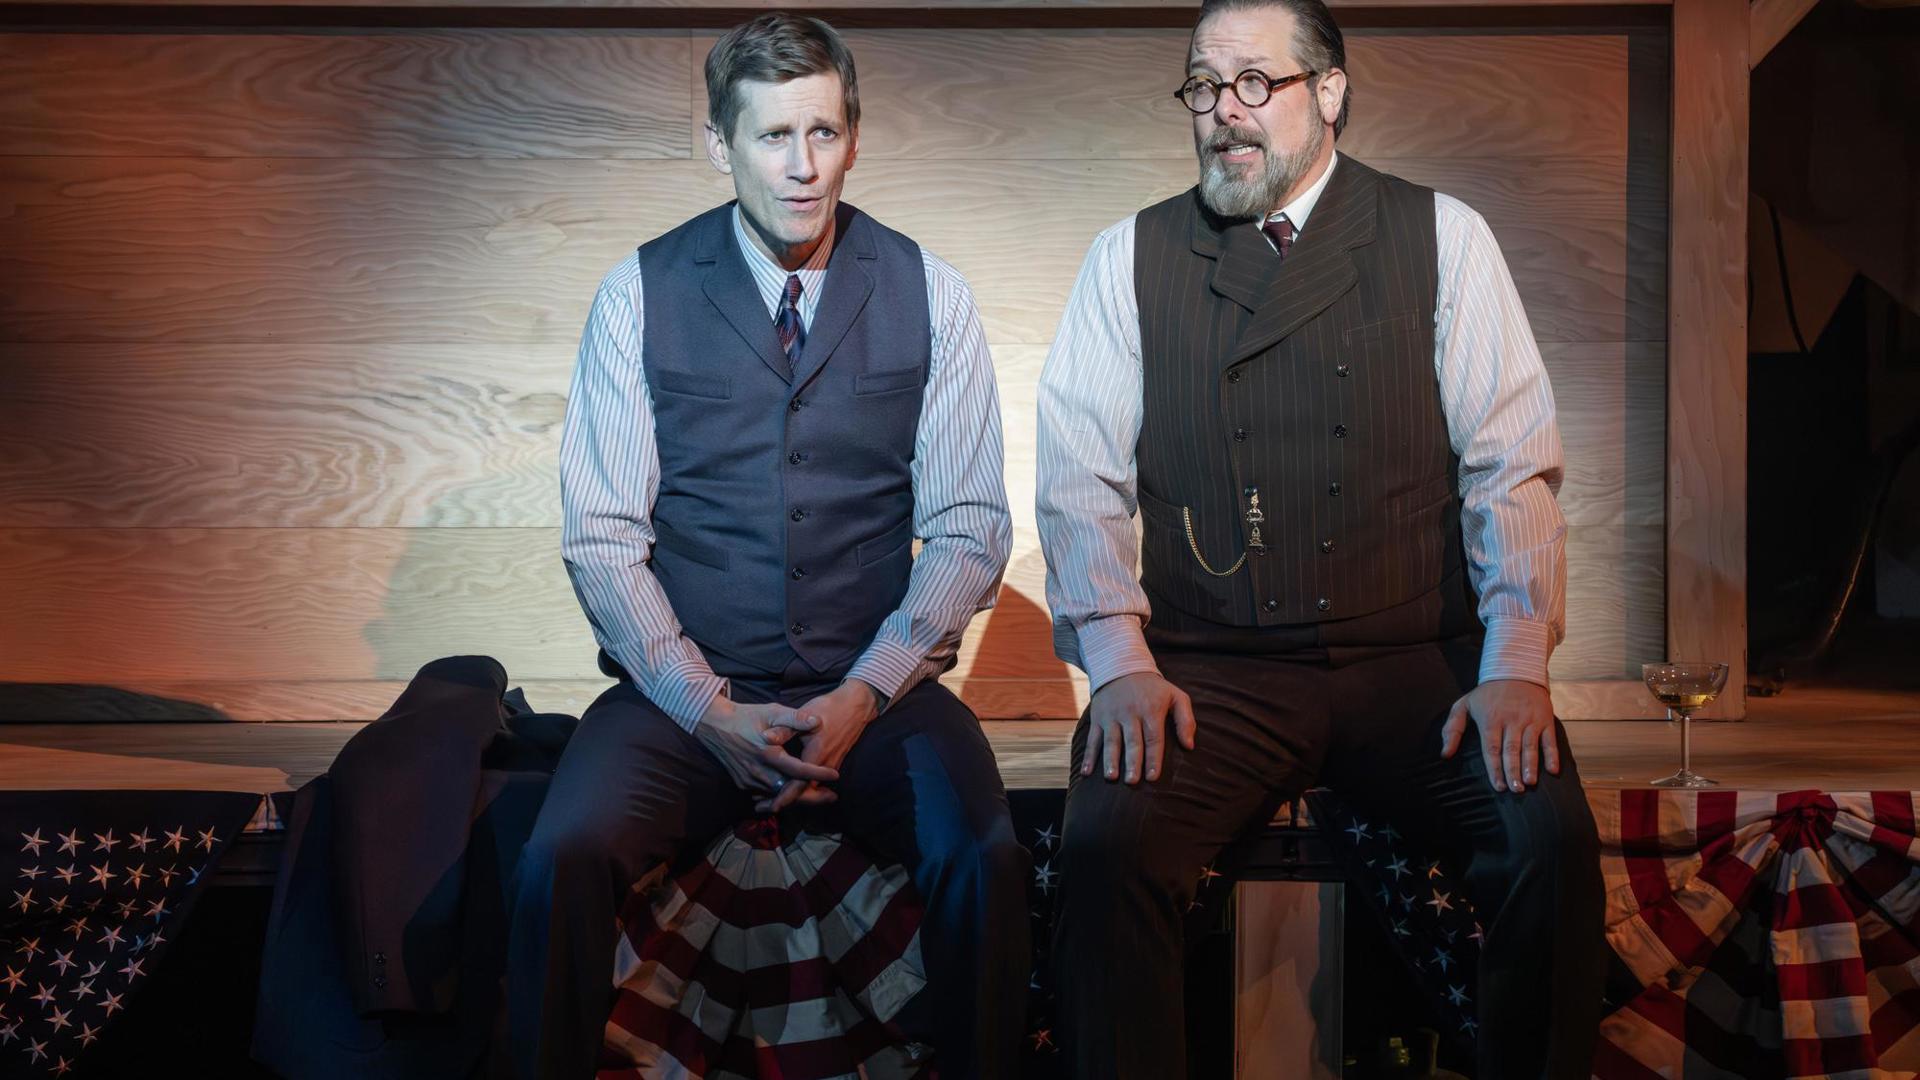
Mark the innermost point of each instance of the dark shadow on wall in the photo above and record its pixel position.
(82, 703)
(1014, 673)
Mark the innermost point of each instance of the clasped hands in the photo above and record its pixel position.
(752, 743)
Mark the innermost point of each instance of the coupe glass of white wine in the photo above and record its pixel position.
(1683, 687)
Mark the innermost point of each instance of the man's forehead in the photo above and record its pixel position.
(819, 94)
(1234, 63)
(1243, 38)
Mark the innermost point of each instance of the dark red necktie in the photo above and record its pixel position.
(1280, 230)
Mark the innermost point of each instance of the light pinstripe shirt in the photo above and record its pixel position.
(610, 476)
(1500, 420)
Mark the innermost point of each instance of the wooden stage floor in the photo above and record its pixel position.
(1832, 739)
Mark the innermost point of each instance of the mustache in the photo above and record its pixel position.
(1230, 136)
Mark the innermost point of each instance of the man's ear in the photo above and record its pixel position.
(717, 152)
(853, 146)
(1331, 90)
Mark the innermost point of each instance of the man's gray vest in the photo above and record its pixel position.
(1309, 380)
(784, 520)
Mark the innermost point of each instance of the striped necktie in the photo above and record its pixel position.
(787, 324)
(1280, 231)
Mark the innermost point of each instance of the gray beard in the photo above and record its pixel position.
(1258, 195)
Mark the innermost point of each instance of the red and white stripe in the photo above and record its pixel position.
(1837, 880)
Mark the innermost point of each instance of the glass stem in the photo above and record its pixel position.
(1686, 742)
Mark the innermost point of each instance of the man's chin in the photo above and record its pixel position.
(802, 229)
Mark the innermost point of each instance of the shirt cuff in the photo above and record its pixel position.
(684, 695)
(886, 666)
(1516, 649)
(1112, 646)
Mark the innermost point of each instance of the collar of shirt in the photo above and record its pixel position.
(1298, 209)
(771, 278)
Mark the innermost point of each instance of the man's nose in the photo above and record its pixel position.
(1228, 109)
(800, 163)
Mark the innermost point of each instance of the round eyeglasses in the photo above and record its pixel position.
(1200, 94)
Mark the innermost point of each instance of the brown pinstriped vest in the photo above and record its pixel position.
(1309, 381)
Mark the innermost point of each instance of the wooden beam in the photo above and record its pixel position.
(1707, 343)
(1768, 22)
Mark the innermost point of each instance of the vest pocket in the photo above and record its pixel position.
(884, 545)
(886, 382)
(712, 387)
(1154, 509)
(1417, 501)
(674, 542)
(1405, 322)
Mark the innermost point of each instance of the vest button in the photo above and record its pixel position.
(1339, 431)
(1234, 375)
(1333, 488)
(1343, 370)
(1239, 434)
(799, 572)
(1324, 604)
(1271, 605)
(797, 629)
(796, 458)
(797, 514)
(1326, 546)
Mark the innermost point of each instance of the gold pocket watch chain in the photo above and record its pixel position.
(1255, 518)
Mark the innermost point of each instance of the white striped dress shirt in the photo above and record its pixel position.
(610, 476)
(1500, 420)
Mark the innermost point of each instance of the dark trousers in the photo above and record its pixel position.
(1365, 722)
(634, 791)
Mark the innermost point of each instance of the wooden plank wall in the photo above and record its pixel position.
(288, 318)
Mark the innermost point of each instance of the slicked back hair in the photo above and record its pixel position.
(1317, 41)
(775, 47)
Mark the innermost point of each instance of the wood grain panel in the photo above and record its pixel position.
(254, 250)
(306, 250)
(1108, 93)
(303, 280)
(111, 605)
(1611, 399)
(209, 436)
(478, 93)
(118, 605)
(1578, 235)
(625, 94)
(1707, 375)
(1524, 95)
(1604, 699)
(1616, 602)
